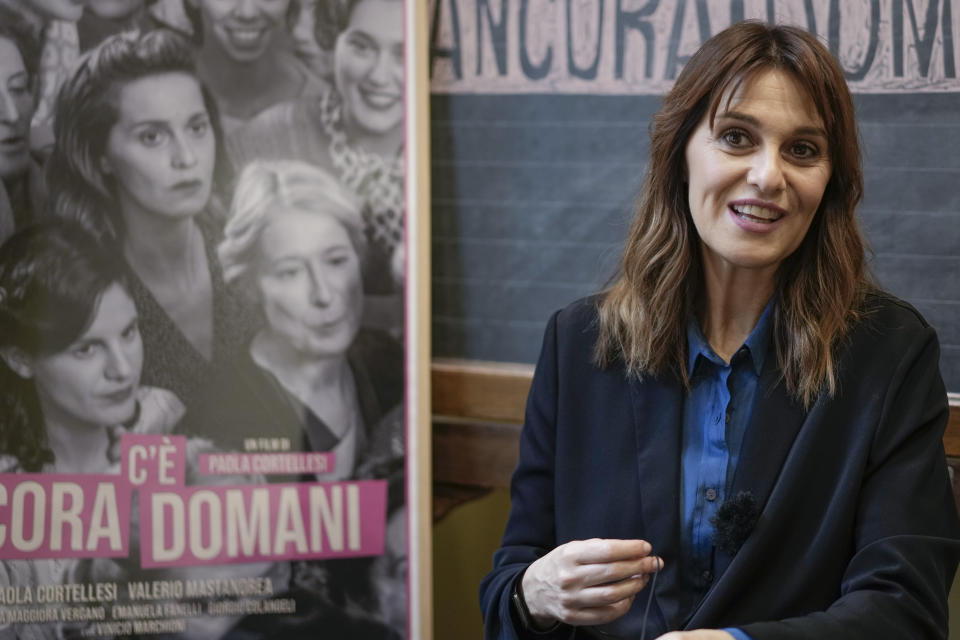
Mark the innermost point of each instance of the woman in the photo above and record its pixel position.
(70, 357)
(22, 191)
(768, 421)
(71, 354)
(354, 131)
(104, 18)
(135, 159)
(293, 244)
(54, 25)
(70, 361)
(246, 56)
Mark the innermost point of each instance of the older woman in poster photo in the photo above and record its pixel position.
(135, 159)
(354, 131)
(743, 409)
(294, 244)
(246, 56)
(22, 192)
(70, 360)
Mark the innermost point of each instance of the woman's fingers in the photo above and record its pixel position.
(588, 581)
(598, 574)
(597, 550)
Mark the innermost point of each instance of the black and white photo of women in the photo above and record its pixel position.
(104, 18)
(354, 131)
(266, 321)
(70, 363)
(137, 147)
(22, 191)
(294, 245)
(54, 25)
(246, 56)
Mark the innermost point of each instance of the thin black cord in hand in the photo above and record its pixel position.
(646, 610)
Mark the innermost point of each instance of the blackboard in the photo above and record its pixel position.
(532, 191)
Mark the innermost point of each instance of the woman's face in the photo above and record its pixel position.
(69, 10)
(94, 380)
(243, 29)
(161, 151)
(368, 66)
(309, 283)
(16, 109)
(757, 177)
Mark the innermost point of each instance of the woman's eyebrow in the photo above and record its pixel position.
(805, 130)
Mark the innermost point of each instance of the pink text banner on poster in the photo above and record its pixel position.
(44, 515)
(154, 461)
(199, 525)
(301, 462)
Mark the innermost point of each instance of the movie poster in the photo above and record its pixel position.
(203, 427)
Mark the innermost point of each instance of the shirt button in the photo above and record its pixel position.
(711, 494)
(729, 413)
(707, 576)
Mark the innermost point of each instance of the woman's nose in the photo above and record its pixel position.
(320, 292)
(384, 68)
(119, 363)
(766, 171)
(184, 156)
(8, 107)
(246, 9)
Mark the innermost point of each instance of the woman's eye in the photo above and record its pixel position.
(286, 273)
(84, 351)
(152, 137)
(804, 150)
(735, 137)
(199, 129)
(131, 332)
(19, 89)
(360, 46)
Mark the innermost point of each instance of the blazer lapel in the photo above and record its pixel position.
(658, 413)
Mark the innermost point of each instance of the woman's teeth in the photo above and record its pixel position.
(756, 212)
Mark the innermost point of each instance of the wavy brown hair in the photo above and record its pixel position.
(820, 288)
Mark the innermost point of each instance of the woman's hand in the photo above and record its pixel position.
(699, 634)
(587, 582)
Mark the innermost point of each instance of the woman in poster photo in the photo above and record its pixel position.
(135, 159)
(22, 192)
(354, 131)
(70, 360)
(104, 18)
(54, 25)
(246, 56)
(294, 244)
(71, 357)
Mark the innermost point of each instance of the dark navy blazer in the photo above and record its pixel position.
(857, 535)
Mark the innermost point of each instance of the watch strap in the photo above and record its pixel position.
(523, 613)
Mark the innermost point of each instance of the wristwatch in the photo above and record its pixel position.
(523, 613)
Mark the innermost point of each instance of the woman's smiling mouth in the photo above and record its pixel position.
(757, 213)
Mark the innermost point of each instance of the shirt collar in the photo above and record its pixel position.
(756, 343)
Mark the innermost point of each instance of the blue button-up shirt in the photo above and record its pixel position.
(715, 417)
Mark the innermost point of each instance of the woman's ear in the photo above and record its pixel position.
(18, 361)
